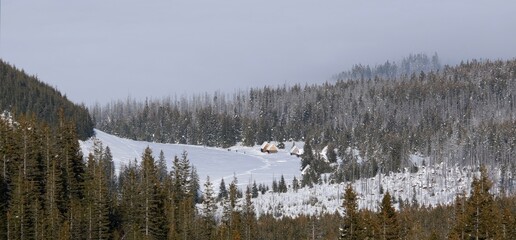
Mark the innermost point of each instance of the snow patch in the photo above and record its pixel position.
(248, 164)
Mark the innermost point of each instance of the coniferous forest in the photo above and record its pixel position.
(26, 95)
(460, 115)
(457, 115)
(50, 191)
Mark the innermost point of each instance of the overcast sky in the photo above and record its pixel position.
(102, 50)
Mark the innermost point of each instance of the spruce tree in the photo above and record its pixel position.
(282, 187)
(194, 186)
(481, 215)
(234, 221)
(162, 167)
(97, 199)
(209, 208)
(223, 192)
(275, 186)
(331, 154)
(249, 217)
(295, 184)
(153, 205)
(132, 198)
(389, 226)
(254, 190)
(183, 204)
(351, 225)
(308, 157)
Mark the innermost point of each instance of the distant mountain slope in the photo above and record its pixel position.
(413, 64)
(462, 115)
(24, 94)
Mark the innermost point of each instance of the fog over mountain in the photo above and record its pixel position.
(159, 48)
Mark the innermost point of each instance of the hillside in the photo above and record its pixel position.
(246, 163)
(415, 195)
(24, 94)
(459, 115)
(430, 186)
(49, 189)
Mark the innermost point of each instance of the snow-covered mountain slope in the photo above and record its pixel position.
(434, 185)
(247, 163)
(429, 187)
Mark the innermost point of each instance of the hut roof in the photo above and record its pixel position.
(272, 148)
(294, 150)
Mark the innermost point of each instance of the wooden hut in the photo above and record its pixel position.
(264, 147)
(295, 151)
(272, 148)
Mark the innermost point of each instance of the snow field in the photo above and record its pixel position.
(248, 164)
(429, 186)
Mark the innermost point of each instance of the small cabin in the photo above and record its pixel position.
(295, 151)
(272, 148)
(264, 147)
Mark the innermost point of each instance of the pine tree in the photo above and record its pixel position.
(295, 184)
(17, 211)
(70, 179)
(234, 221)
(249, 217)
(481, 216)
(3, 207)
(249, 133)
(254, 190)
(351, 226)
(508, 220)
(97, 199)
(209, 208)
(223, 192)
(282, 187)
(457, 231)
(194, 186)
(162, 167)
(331, 155)
(183, 206)
(275, 186)
(389, 226)
(372, 229)
(132, 201)
(112, 190)
(52, 213)
(153, 202)
(308, 157)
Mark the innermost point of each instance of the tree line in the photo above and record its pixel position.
(24, 95)
(477, 216)
(48, 190)
(461, 115)
(414, 63)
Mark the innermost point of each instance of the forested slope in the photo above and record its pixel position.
(458, 115)
(24, 94)
(49, 191)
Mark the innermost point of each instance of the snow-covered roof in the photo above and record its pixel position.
(272, 147)
(294, 150)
